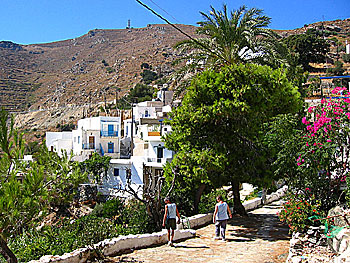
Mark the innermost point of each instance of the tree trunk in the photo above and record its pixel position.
(6, 252)
(239, 208)
(198, 198)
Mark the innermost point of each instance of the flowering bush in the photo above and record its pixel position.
(323, 159)
(297, 210)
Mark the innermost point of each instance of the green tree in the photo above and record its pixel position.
(308, 48)
(338, 69)
(140, 93)
(227, 38)
(216, 129)
(148, 76)
(27, 189)
(96, 167)
(230, 37)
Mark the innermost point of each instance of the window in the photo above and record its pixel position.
(146, 113)
(75, 139)
(78, 139)
(160, 153)
(116, 172)
(110, 147)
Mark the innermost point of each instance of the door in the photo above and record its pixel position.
(160, 150)
(110, 130)
(110, 147)
(91, 142)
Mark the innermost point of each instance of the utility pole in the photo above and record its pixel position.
(132, 130)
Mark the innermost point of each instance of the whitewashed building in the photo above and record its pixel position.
(97, 134)
(142, 139)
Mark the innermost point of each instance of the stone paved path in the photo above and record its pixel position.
(259, 238)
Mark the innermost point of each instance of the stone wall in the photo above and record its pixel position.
(341, 242)
(332, 250)
(341, 245)
(114, 246)
(110, 247)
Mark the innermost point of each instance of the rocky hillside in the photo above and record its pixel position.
(82, 70)
(63, 81)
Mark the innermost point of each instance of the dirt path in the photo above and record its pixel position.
(258, 238)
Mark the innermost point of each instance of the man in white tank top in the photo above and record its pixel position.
(221, 215)
(169, 220)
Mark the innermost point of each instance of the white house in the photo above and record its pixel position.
(97, 134)
(103, 135)
(118, 176)
(59, 141)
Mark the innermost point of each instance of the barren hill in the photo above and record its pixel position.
(81, 70)
(69, 78)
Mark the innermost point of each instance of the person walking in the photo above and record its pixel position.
(221, 215)
(169, 220)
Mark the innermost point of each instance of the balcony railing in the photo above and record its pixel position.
(153, 133)
(109, 133)
(158, 160)
(88, 146)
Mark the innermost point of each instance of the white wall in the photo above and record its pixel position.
(60, 141)
(140, 112)
(113, 184)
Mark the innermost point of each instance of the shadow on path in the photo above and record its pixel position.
(185, 246)
(262, 223)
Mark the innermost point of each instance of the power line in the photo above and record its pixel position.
(182, 32)
(164, 11)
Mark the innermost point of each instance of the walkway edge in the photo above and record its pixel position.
(110, 247)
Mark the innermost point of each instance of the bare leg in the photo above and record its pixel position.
(172, 235)
(168, 234)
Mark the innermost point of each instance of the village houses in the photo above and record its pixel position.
(134, 144)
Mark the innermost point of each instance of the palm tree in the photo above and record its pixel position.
(238, 37)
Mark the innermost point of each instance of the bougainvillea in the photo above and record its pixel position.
(324, 157)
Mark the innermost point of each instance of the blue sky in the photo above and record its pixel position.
(40, 21)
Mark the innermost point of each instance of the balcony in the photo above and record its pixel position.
(153, 133)
(109, 133)
(158, 160)
(88, 146)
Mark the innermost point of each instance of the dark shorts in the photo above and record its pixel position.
(170, 223)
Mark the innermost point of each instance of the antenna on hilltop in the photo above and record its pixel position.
(129, 22)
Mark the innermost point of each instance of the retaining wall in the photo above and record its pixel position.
(341, 245)
(110, 247)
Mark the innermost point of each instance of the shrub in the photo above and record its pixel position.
(148, 76)
(145, 65)
(137, 219)
(111, 209)
(297, 210)
(64, 237)
(346, 58)
(110, 70)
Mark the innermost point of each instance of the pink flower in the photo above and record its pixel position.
(329, 140)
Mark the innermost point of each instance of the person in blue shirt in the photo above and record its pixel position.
(169, 220)
(221, 214)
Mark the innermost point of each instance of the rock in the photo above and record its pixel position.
(296, 259)
(340, 220)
